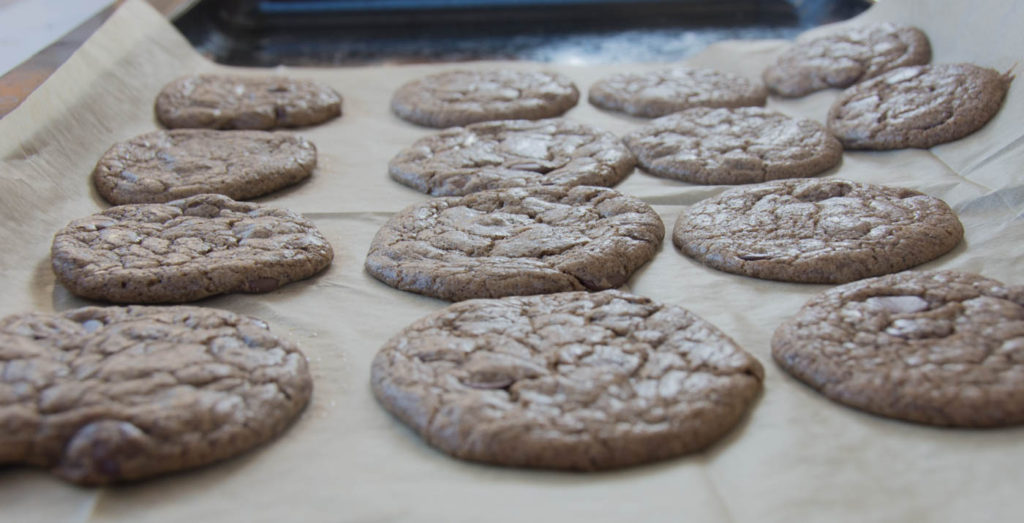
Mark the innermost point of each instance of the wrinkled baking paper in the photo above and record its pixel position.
(796, 457)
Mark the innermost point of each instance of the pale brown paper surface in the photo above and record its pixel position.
(796, 457)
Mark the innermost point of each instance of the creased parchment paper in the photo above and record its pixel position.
(796, 457)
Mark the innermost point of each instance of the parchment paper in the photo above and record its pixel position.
(796, 457)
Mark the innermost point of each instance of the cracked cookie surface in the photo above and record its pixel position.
(667, 91)
(843, 57)
(918, 106)
(463, 97)
(576, 380)
(161, 166)
(512, 153)
(186, 250)
(733, 146)
(942, 348)
(817, 231)
(516, 241)
(238, 102)
(107, 394)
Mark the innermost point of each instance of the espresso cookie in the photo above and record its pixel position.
(566, 381)
(238, 102)
(463, 97)
(512, 153)
(733, 146)
(918, 106)
(817, 231)
(943, 348)
(186, 250)
(516, 241)
(108, 394)
(843, 57)
(162, 166)
(668, 91)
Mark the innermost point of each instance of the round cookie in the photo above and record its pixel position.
(107, 394)
(667, 91)
(237, 102)
(161, 166)
(577, 380)
(733, 146)
(463, 97)
(917, 106)
(517, 241)
(942, 348)
(843, 57)
(186, 250)
(817, 230)
(512, 153)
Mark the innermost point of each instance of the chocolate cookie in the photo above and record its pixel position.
(512, 153)
(186, 250)
(817, 231)
(733, 146)
(843, 57)
(668, 91)
(516, 241)
(162, 166)
(463, 97)
(237, 102)
(918, 106)
(943, 348)
(566, 381)
(107, 394)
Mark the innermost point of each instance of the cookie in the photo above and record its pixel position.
(517, 241)
(843, 57)
(577, 380)
(463, 97)
(512, 153)
(667, 91)
(918, 106)
(108, 394)
(942, 348)
(237, 102)
(161, 166)
(733, 146)
(817, 230)
(186, 250)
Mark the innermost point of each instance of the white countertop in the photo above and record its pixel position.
(27, 26)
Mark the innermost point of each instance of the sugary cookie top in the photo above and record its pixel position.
(658, 93)
(463, 97)
(942, 347)
(104, 394)
(817, 230)
(240, 102)
(733, 146)
(512, 153)
(605, 379)
(162, 166)
(917, 106)
(843, 57)
(516, 241)
(185, 250)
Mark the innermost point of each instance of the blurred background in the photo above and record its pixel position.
(37, 36)
(345, 32)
